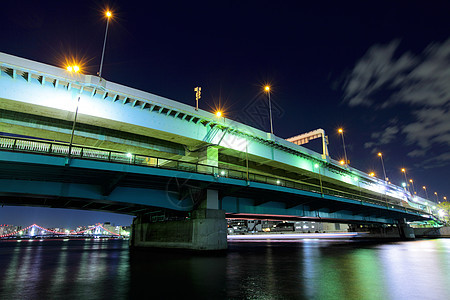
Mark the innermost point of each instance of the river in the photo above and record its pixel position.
(303, 269)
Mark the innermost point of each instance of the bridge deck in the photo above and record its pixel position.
(108, 180)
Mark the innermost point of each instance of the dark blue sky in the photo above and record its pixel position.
(381, 70)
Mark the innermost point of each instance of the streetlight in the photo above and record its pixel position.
(445, 198)
(218, 113)
(426, 193)
(341, 132)
(108, 15)
(437, 198)
(73, 127)
(267, 89)
(412, 184)
(74, 68)
(317, 166)
(382, 164)
(372, 174)
(406, 179)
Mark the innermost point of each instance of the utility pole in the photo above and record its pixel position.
(198, 95)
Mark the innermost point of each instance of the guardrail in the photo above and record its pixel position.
(76, 151)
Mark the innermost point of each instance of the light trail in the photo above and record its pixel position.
(290, 236)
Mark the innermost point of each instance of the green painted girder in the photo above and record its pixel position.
(149, 196)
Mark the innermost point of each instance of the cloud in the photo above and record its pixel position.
(431, 126)
(386, 80)
(436, 161)
(377, 69)
(420, 80)
(384, 137)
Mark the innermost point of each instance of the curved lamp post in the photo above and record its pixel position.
(267, 89)
(108, 16)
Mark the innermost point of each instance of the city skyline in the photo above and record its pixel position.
(377, 71)
(59, 217)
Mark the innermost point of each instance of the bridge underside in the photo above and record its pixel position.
(43, 180)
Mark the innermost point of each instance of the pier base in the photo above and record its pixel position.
(406, 231)
(401, 230)
(434, 232)
(206, 230)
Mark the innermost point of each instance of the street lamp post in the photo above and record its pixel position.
(317, 166)
(267, 89)
(341, 132)
(426, 193)
(108, 16)
(73, 127)
(437, 198)
(382, 164)
(73, 68)
(412, 184)
(406, 180)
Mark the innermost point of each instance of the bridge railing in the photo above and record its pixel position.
(76, 151)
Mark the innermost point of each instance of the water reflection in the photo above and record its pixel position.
(63, 269)
(420, 266)
(306, 269)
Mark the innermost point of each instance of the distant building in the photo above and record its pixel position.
(8, 229)
(121, 230)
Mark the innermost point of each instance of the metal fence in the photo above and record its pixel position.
(63, 149)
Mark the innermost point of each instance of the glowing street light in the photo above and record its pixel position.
(341, 132)
(267, 89)
(426, 193)
(74, 68)
(108, 15)
(412, 184)
(437, 198)
(218, 113)
(445, 198)
(372, 174)
(382, 164)
(317, 166)
(406, 179)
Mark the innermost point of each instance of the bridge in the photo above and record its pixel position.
(70, 140)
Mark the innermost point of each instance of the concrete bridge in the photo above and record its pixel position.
(78, 141)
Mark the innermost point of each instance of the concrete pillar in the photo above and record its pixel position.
(211, 201)
(406, 231)
(205, 230)
(210, 157)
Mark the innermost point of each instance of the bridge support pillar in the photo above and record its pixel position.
(205, 230)
(406, 231)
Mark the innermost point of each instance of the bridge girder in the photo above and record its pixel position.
(53, 181)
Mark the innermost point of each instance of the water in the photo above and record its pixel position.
(306, 269)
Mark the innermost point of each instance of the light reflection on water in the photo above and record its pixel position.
(306, 269)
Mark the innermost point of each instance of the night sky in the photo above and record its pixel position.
(380, 70)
